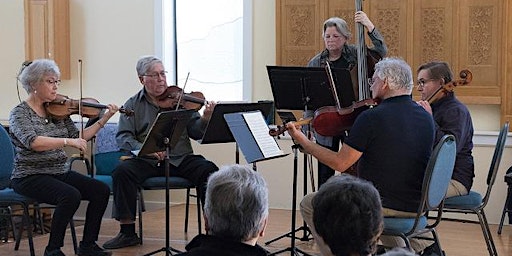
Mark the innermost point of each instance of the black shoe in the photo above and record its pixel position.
(122, 240)
(56, 252)
(92, 250)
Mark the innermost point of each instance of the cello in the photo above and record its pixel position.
(465, 78)
(334, 120)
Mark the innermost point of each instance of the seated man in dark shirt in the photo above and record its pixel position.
(235, 214)
(393, 143)
(451, 117)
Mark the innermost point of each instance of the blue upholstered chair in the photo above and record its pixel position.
(435, 184)
(474, 203)
(8, 197)
(106, 158)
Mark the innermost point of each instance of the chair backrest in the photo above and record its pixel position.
(106, 139)
(107, 154)
(495, 162)
(6, 158)
(438, 173)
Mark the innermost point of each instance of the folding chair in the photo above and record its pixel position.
(435, 184)
(473, 203)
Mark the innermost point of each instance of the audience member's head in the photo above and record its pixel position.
(347, 214)
(399, 252)
(236, 205)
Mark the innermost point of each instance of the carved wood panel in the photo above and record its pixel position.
(468, 34)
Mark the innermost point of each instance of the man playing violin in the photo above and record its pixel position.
(41, 171)
(340, 54)
(131, 134)
(451, 117)
(392, 142)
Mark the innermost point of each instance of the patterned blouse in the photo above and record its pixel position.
(24, 126)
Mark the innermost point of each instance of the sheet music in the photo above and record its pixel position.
(259, 130)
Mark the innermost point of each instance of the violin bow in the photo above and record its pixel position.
(182, 91)
(80, 110)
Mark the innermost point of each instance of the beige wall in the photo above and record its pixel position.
(109, 36)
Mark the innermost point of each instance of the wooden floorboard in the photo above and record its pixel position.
(456, 238)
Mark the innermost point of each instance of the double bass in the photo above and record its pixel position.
(335, 120)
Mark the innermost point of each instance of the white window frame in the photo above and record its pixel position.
(164, 32)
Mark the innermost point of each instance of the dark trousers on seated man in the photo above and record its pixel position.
(127, 178)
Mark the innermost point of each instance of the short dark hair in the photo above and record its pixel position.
(438, 70)
(347, 214)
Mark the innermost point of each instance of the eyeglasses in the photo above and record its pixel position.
(53, 82)
(422, 82)
(371, 81)
(156, 75)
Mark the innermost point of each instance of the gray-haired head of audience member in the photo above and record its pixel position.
(236, 204)
(399, 252)
(347, 214)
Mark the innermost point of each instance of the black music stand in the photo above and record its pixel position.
(163, 135)
(305, 88)
(217, 130)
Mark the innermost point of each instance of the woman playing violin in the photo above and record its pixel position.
(40, 168)
(342, 55)
(451, 117)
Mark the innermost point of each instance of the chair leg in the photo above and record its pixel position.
(199, 206)
(487, 233)
(25, 220)
(505, 210)
(437, 242)
(73, 235)
(187, 205)
(141, 208)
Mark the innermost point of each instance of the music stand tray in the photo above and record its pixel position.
(252, 134)
(163, 135)
(217, 130)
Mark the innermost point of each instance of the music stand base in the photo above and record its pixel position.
(304, 238)
(167, 250)
(293, 250)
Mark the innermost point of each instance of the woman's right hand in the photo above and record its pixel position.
(362, 18)
(77, 143)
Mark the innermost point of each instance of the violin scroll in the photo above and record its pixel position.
(466, 77)
(280, 129)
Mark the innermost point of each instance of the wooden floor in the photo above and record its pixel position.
(456, 238)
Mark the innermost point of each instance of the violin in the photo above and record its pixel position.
(280, 129)
(334, 120)
(466, 78)
(174, 98)
(63, 106)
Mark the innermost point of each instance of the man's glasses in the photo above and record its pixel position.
(422, 82)
(156, 75)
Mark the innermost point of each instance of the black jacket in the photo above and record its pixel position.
(213, 246)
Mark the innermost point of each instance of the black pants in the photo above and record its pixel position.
(129, 174)
(65, 191)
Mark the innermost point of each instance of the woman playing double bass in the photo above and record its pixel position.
(340, 54)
